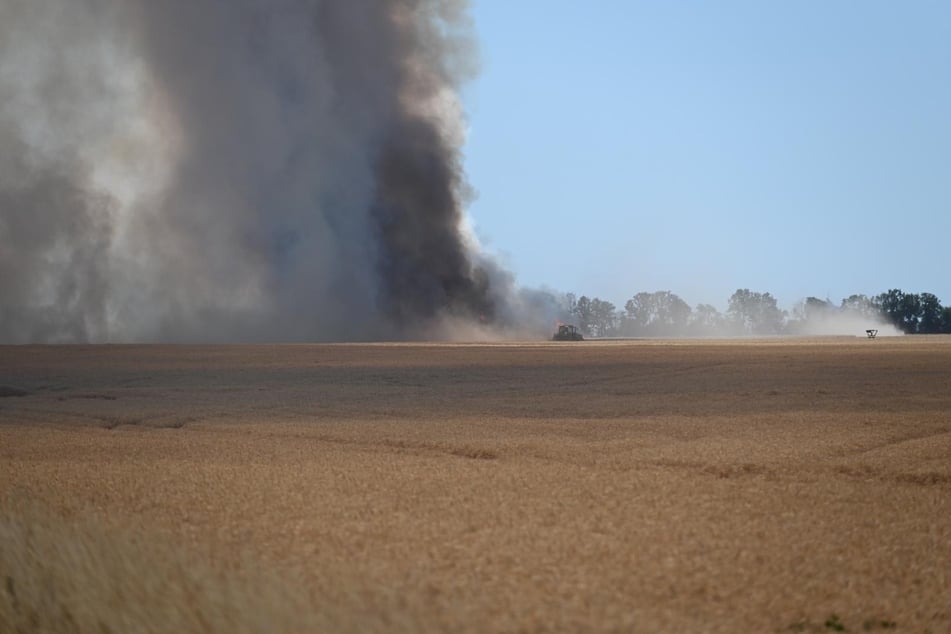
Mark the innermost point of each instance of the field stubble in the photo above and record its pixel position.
(647, 486)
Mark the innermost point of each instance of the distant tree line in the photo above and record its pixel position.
(664, 314)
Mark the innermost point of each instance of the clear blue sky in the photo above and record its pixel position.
(800, 148)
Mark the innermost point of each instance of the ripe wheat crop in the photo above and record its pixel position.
(770, 485)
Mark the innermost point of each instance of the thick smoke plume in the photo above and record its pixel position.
(183, 170)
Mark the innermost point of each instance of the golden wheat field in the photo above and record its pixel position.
(782, 485)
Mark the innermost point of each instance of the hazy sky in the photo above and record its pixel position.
(800, 148)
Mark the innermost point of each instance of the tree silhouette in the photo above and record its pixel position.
(755, 313)
(584, 314)
(860, 305)
(946, 320)
(603, 318)
(705, 320)
(663, 313)
(657, 313)
(929, 314)
(901, 309)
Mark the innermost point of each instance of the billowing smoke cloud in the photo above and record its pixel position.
(246, 170)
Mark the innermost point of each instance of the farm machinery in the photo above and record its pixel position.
(567, 332)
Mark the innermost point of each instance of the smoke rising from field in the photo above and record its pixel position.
(250, 170)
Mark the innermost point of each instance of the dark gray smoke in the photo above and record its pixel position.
(242, 170)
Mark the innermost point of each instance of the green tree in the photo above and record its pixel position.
(676, 313)
(860, 305)
(815, 308)
(603, 318)
(637, 313)
(584, 314)
(571, 303)
(900, 308)
(946, 320)
(755, 313)
(929, 314)
(657, 313)
(705, 320)
(810, 311)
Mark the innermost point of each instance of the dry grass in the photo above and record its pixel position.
(653, 486)
(90, 573)
(85, 574)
